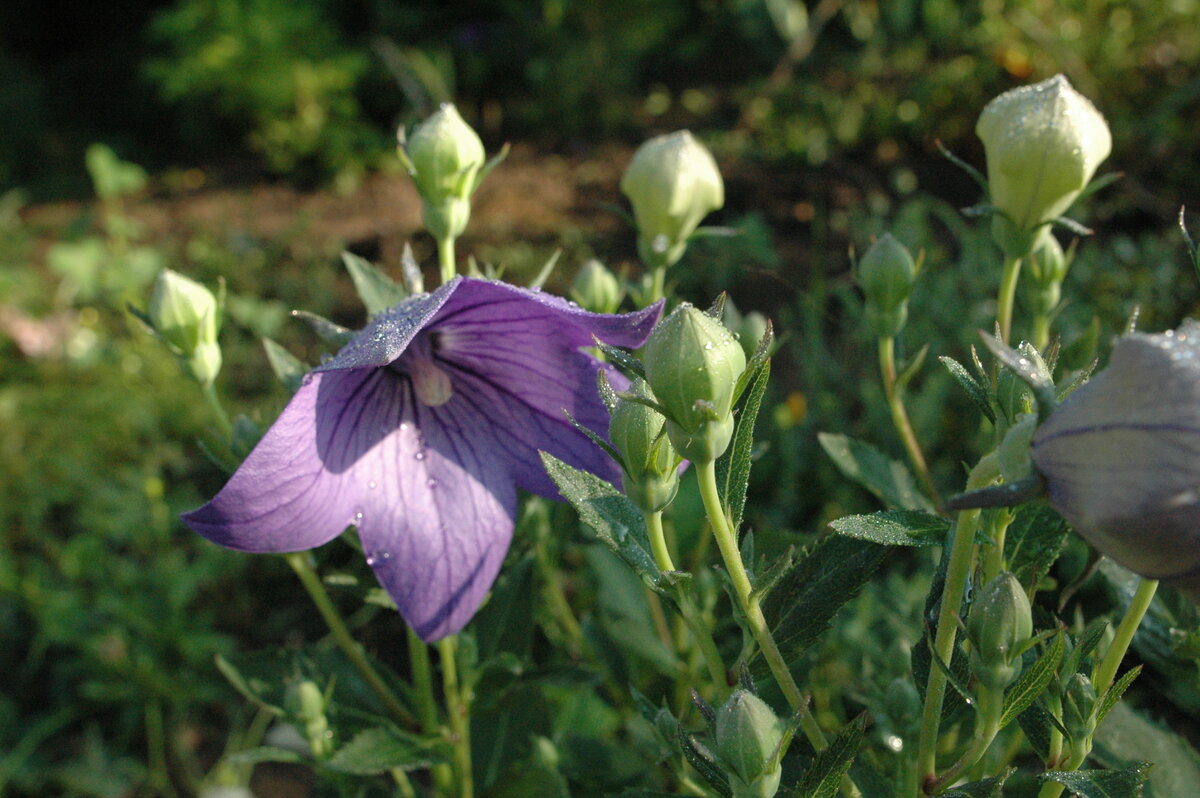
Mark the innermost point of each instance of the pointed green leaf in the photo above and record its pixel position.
(985, 788)
(737, 467)
(604, 510)
(1126, 783)
(376, 290)
(1114, 693)
(895, 528)
(381, 750)
(1033, 682)
(326, 330)
(1033, 542)
(823, 777)
(757, 361)
(802, 605)
(629, 365)
(911, 368)
(699, 757)
(287, 367)
(890, 480)
(977, 393)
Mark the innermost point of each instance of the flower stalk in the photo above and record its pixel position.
(900, 420)
(458, 707)
(1006, 299)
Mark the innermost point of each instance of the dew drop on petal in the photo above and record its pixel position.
(431, 483)
(420, 455)
(371, 485)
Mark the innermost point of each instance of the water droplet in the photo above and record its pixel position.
(358, 517)
(371, 485)
(420, 455)
(431, 483)
(708, 345)
(403, 426)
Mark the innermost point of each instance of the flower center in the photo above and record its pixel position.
(430, 382)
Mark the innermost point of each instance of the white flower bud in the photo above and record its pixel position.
(672, 184)
(444, 156)
(1121, 456)
(596, 288)
(185, 314)
(1043, 144)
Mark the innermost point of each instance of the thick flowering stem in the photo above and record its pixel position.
(658, 283)
(341, 635)
(458, 706)
(446, 264)
(1041, 331)
(687, 607)
(993, 560)
(726, 539)
(987, 726)
(422, 681)
(887, 370)
(1007, 297)
(962, 554)
(219, 414)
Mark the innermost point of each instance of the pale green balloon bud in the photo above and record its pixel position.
(672, 183)
(649, 464)
(185, 314)
(692, 364)
(999, 624)
(748, 736)
(1119, 457)
(444, 155)
(887, 274)
(308, 704)
(1043, 144)
(596, 288)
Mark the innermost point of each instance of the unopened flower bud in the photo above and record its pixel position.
(649, 465)
(306, 701)
(596, 288)
(692, 364)
(672, 184)
(1119, 457)
(748, 328)
(1047, 268)
(999, 624)
(1043, 144)
(444, 156)
(748, 737)
(887, 274)
(185, 314)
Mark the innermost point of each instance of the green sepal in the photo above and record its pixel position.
(377, 291)
(975, 391)
(974, 173)
(758, 360)
(326, 330)
(628, 365)
(491, 164)
(288, 368)
(607, 395)
(594, 438)
(911, 368)
(547, 269)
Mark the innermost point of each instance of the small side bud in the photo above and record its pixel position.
(308, 704)
(887, 274)
(672, 183)
(748, 737)
(1047, 268)
(596, 288)
(649, 464)
(185, 315)
(692, 364)
(1043, 144)
(999, 624)
(1079, 707)
(444, 155)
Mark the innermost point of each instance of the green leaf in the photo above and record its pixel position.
(1034, 540)
(1126, 783)
(703, 761)
(287, 367)
(328, 331)
(502, 624)
(823, 777)
(1033, 682)
(737, 470)
(804, 601)
(626, 363)
(758, 360)
(1114, 693)
(985, 788)
(612, 517)
(1037, 724)
(888, 479)
(380, 750)
(977, 393)
(251, 689)
(376, 290)
(895, 528)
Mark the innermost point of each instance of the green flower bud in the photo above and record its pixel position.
(185, 314)
(672, 183)
(1046, 269)
(999, 624)
(692, 365)
(649, 465)
(748, 739)
(1079, 707)
(748, 329)
(887, 274)
(596, 288)
(444, 156)
(306, 701)
(1043, 144)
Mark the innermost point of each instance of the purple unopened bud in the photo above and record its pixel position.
(1121, 457)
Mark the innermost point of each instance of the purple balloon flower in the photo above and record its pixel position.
(419, 432)
(1121, 457)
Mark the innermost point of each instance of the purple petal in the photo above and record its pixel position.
(437, 513)
(285, 496)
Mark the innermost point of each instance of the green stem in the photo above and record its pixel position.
(887, 369)
(427, 711)
(458, 706)
(987, 726)
(1105, 672)
(449, 269)
(341, 635)
(726, 538)
(560, 608)
(214, 402)
(1007, 297)
(962, 553)
(687, 607)
(993, 559)
(658, 283)
(1041, 331)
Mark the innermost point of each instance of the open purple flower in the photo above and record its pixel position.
(419, 432)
